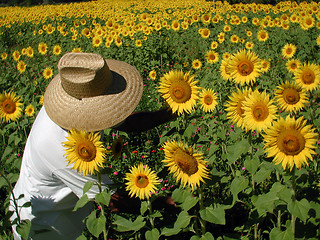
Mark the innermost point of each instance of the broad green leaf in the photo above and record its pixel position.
(81, 202)
(152, 234)
(277, 234)
(6, 152)
(183, 220)
(170, 231)
(238, 184)
(138, 223)
(24, 228)
(207, 236)
(123, 224)
(87, 186)
(266, 202)
(261, 175)
(189, 202)
(194, 237)
(103, 197)
(213, 215)
(95, 225)
(144, 207)
(299, 209)
(235, 151)
(81, 237)
(252, 165)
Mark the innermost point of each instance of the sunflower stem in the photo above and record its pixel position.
(150, 211)
(293, 182)
(105, 232)
(201, 205)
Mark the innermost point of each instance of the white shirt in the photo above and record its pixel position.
(52, 187)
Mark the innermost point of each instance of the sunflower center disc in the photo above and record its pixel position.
(185, 162)
(260, 113)
(308, 77)
(291, 96)
(9, 106)
(142, 181)
(180, 92)
(289, 51)
(245, 68)
(291, 142)
(87, 151)
(208, 100)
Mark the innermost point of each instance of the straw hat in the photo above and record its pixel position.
(92, 93)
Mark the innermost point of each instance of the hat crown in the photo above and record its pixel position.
(84, 74)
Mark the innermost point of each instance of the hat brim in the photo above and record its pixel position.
(99, 112)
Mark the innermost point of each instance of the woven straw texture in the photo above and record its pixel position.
(98, 100)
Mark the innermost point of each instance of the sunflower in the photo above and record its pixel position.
(21, 66)
(259, 111)
(292, 65)
(41, 99)
(249, 45)
(117, 148)
(96, 41)
(212, 56)
(16, 55)
(42, 48)
(76, 50)
(138, 43)
(29, 110)
(4, 56)
(265, 65)
(186, 166)
(85, 150)
(153, 74)
(196, 64)
(308, 76)
(208, 100)
(175, 25)
(29, 51)
(56, 50)
(263, 35)
(290, 97)
(204, 32)
(10, 109)
(234, 106)
(141, 182)
(224, 69)
(179, 90)
(47, 73)
(244, 67)
(290, 142)
(289, 50)
(234, 38)
(215, 44)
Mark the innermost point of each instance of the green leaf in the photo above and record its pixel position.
(81, 202)
(299, 209)
(87, 186)
(207, 236)
(95, 225)
(252, 165)
(103, 197)
(277, 234)
(235, 151)
(183, 220)
(261, 175)
(138, 223)
(194, 237)
(213, 215)
(81, 237)
(238, 184)
(24, 228)
(144, 207)
(266, 202)
(189, 203)
(123, 224)
(6, 152)
(170, 231)
(152, 234)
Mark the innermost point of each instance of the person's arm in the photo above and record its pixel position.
(143, 121)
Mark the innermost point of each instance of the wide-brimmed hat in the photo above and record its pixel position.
(92, 93)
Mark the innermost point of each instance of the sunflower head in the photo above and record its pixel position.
(85, 151)
(290, 142)
(10, 106)
(141, 182)
(208, 100)
(179, 90)
(308, 76)
(29, 110)
(117, 148)
(186, 166)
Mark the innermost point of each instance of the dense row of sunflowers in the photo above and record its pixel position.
(251, 66)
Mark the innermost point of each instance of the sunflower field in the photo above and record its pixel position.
(241, 158)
